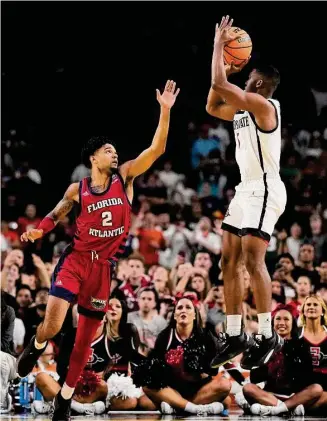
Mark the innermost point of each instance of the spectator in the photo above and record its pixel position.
(283, 273)
(217, 308)
(169, 178)
(135, 281)
(24, 300)
(29, 221)
(203, 146)
(12, 279)
(305, 265)
(147, 320)
(317, 238)
(303, 289)
(293, 242)
(150, 240)
(10, 235)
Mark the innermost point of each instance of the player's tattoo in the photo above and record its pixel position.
(98, 189)
(62, 209)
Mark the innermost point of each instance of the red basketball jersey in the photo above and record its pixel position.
(104, 220)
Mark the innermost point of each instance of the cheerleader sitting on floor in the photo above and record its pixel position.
(176, 375)
(105, 381)
(288, 376)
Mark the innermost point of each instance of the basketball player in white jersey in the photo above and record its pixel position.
(259, 201)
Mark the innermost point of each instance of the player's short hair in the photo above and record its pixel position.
(270, 73)
(91, 146)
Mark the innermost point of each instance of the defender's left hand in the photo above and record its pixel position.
(168, 97)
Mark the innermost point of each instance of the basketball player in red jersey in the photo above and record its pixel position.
(83, 271)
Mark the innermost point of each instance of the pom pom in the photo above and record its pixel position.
(121, 386)
(195, 355)
(153, 373)
(87, 383)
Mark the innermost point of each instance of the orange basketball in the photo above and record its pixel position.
(239, 49)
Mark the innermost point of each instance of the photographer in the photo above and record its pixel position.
(283, 273)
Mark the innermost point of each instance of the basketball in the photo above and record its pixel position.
(239, 49)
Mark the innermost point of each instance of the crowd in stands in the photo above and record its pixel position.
(172, 260)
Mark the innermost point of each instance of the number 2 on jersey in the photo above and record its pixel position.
(106, 219)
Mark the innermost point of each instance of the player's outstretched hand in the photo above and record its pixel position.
(232, 68)
(168, 97)
(223, 35)
(31, 235)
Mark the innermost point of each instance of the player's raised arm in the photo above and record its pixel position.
(144, 161)
(216, 105)
(232, 94)
(58, 213)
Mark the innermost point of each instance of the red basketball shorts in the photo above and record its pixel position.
(83, 278)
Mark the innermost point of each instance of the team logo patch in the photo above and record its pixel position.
(98, 304)
(94, 358)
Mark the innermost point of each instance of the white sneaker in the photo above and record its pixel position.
(210, 408)
(95, 408)
(41, 407)
(166, 408)
(257, 409)
(298, 411)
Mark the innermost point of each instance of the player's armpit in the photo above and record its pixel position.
(217, 107)
(66, 203)
(248, 101)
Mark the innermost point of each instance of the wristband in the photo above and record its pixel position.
(47, 224)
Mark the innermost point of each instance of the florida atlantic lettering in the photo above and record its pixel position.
(104, 219)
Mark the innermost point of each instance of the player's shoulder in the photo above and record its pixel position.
(72, 192)
(274, 102)
(123, 170)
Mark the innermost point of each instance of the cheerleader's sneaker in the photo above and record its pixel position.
(166, 409)
(213, 408)
(95, 408)
(298, 411)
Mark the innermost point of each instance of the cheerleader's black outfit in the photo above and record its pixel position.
(182, 365)
(288, 371)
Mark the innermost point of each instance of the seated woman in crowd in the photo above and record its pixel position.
(314, 334)
(112, 350)
(288, 376)
(176, 375)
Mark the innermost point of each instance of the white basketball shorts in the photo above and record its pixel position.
(256, 207)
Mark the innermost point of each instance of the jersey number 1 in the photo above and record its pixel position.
(238, 139)
(106, 219)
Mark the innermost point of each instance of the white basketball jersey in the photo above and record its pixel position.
(257, 151)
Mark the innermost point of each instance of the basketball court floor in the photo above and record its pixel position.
(235, 415)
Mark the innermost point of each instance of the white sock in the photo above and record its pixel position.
(67, 392)
(191, 407)
(234, 324)
(39, 345)
(264, 324)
